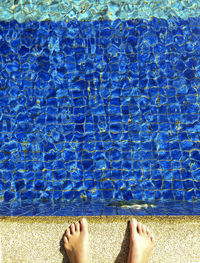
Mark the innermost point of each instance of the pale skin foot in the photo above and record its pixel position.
(76, 242)
(141, 243)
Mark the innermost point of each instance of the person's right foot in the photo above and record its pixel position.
(141, 243)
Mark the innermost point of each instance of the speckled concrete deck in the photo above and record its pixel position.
(39, 239)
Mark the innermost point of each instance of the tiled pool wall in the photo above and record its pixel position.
(100, 116)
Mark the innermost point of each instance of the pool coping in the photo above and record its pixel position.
(177, 238)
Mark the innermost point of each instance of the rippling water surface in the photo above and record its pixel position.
(99, 101)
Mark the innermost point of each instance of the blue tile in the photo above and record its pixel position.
(121, 124)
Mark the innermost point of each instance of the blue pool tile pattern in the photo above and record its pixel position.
(99, 110)
(98, 208)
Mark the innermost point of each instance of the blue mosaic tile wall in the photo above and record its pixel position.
(99, 110)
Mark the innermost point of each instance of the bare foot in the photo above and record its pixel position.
(141, 243)
(76, 242)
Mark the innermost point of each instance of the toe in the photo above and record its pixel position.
(143, 229)
(72, 228)
(83, 225)
(139, 227)
(133, 226)
(67, 232)
(147, 232)
(65, 240)
(77, 227)
(152, 238)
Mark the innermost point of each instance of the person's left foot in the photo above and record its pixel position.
(76, 242)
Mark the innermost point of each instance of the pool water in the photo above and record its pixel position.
(99, 114)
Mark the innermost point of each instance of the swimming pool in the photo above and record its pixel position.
(99, 108)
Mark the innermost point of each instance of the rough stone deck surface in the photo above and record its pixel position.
(39, 239)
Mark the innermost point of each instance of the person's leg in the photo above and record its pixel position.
(141, 243)
(76, 242)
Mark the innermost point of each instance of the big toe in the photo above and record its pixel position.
(83, 225)
(133, 227)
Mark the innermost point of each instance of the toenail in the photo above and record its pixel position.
(134, 221)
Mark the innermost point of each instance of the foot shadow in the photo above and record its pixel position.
(62, 251)
(123, 254)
